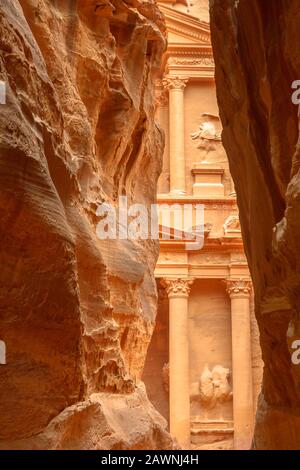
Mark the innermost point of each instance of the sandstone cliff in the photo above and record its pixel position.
(77, 313)
(256, 46)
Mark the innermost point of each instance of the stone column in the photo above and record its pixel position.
(176, 87)
(179, 391)
(239, 291)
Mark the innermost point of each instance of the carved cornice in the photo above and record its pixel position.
(177, 287)
(238, 287)
(174, 83)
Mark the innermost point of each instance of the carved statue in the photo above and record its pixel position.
(209, 137)
(214, 386)
(232, 224)
(207, 130)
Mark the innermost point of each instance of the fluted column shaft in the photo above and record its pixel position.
(179, 390)
(176, 88)
(239, 292)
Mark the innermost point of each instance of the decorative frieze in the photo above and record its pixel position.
(203, 61)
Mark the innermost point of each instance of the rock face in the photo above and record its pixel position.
(77, 313)
(256, 47)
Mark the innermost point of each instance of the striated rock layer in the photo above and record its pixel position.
(256, 46)
(77, 313)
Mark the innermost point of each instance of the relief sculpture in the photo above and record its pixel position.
(213, 386)
(208, 137)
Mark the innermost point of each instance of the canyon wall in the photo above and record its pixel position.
(256, 48)
(77, 312)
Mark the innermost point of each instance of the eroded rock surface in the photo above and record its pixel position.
(256, 48)
(77, 313)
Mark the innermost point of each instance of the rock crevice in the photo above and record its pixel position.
(255, 46)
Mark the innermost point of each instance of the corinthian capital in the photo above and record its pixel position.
(180, 287)
(174, 83)
(236, 287)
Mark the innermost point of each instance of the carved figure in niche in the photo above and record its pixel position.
(232, 224)
(165, 376)
(208, 138)
(214, 386)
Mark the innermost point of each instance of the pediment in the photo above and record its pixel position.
(174, 38)
(184, 28)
